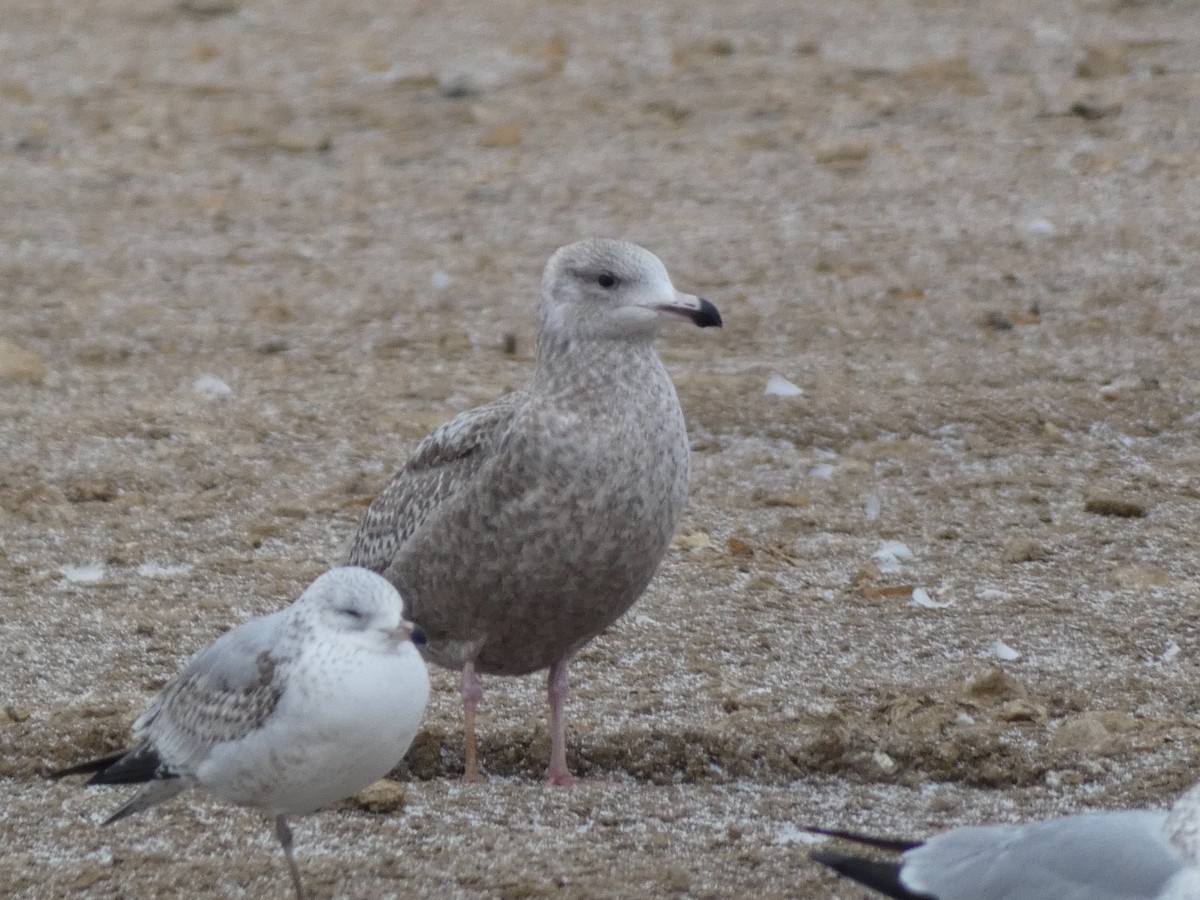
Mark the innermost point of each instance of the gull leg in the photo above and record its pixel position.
(472, 693)
(285, 840)
(556, 692)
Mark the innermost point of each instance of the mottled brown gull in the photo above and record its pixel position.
(286, 713)
(522, 528)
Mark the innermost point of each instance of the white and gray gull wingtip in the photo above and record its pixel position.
(1120, 855)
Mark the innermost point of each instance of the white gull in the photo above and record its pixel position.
(1121, 855)
(286, 713)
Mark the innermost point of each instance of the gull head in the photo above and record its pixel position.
(614, 290)
(356, 604)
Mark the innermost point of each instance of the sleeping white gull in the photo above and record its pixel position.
(521, 529)
(286, 713)
(1123, 855)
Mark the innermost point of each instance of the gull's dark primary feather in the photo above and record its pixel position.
(880, 876)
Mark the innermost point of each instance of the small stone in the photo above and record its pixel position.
(852, 150)
(692, 540)
(1104, 60)
(1113, 505)
(788, 501)
(954, 73)
(996, 685)
(271, 346)
(383, 797)
(1092, 733)
(18, 713)
(303, 140)
(1140, 578)
(506, 134)
(736, 546)
(209, 8)
(90, 492)
(203, 51)
(1021, 711)
(885, 763)
(1022, 548)
(509, 345)
(997, 320)
(19, 364)
(1095, 106)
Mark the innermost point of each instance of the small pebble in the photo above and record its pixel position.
(1112, 505)
(844, 151)
(1023, 548)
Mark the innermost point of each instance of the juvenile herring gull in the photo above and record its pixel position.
(1124, 855)
(286, 713)
(521, 529)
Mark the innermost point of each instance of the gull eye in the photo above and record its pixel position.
(606, 279)
(351, 613)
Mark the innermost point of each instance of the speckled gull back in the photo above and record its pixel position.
(521, 529)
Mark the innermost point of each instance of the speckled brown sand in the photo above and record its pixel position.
(968, 232)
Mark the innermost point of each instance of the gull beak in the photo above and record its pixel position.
(700, 311)
(405, 632)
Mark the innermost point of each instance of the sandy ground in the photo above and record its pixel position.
(253, 250)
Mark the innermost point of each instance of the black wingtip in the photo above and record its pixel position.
(707, 316)
(135, 766)
(892, 845)
(88, 767)
(879, 876)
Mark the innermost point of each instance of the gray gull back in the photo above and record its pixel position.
(521, 529)
(1121, 855)
(286, 713)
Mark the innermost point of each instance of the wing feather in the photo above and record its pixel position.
(439, 468)
(227, 691)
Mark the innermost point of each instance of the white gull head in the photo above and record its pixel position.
(605, 289)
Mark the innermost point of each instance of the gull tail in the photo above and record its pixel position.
(150, 795)
(88, 767)
(141, 765)
(893, 845)
(880, 876)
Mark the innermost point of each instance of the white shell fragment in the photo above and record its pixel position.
(920, 597)
(892, 555)
(778, 386)
(211, 387)
(1003, 652)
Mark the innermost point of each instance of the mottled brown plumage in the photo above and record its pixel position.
(519, 530)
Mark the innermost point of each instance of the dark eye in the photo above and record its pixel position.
(606, 279)
(352, 613)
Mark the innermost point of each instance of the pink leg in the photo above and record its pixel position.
(472, 693)
(556, 692)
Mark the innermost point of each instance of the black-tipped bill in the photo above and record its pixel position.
(418, 636)
(699, 310)
(707, 316)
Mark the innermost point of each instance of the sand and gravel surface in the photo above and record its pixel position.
(253, 250)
